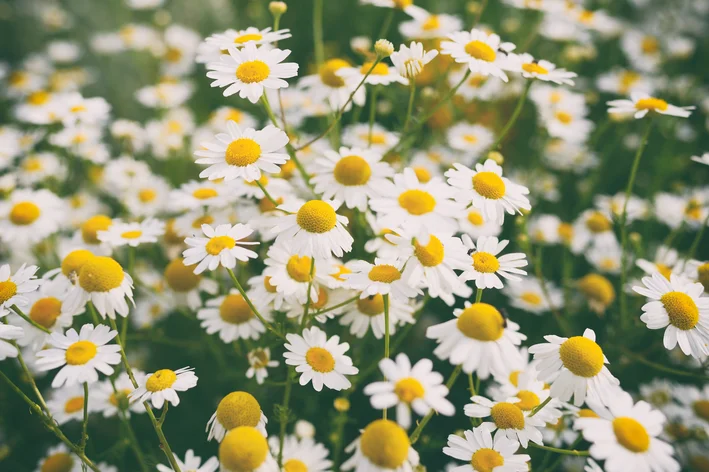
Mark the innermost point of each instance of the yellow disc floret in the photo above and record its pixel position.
(74, 261)
(631, 434)
(581, 356)
(328, 73)
(417, 202)
(24, 213)
(534, 68)
(298, 268)
(384, 273)
(597, 288)
(489, 185)
(320, 360)
(245, 38)
(316, 216)
(528, 400)
(485, 262)
(681, 310)
(218, 243)
(58, 462)
(294, 465)
(45, 311)
(80, 352)
(181, 278)
(482, 322)
(486, 460)
(100, 274)
(408, 389)
(352, 170)
(651, 104)
(507, 416)
(385, 444)
(238, 409)
(205, 193)
(235, 310)
(92, 226)
(243, 449)
(481, 51)
(598, 223)
(372, 305)
(74, 405)
(431, 254)
(242, 152)
(160, 380)
(251, 72)
(8, 289)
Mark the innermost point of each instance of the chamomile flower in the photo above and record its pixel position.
(103, 282)
(39, 167)
(381, 74)
(482, 53)
(637, 208)
(231, 317)
(195, 195)
(665, 262)
(690, 407)
(479, 339)
(469, 139)
(319, 359)
(14, 287)
(678, 306)
(192, 463)
(408, 387)
(624, 82)
(302, 454)
(132, 234)
(508, 418)
(383, 446)
(80, 355)
(592, 227)
(543, 70)
(221, 246)
(67, 403)
(485, 267)
(605, 257)
(410, 60)
(250, 35)
(185, 286)
(473, 223)
(162, 386)
(575, 367)
(250, 70)
(328, 86)
(407, 6)
(28, 216)
(529, 295)
(567, 123)
(384, 277)
(313, 228)
(259, 363)
(642, 103)
(110, 397)
(368, 312)
(430, 26)
(243, 153)
(487, 190)
(60, 458)
(235, 410)
(350, 175)
(644, 50)
(702, 159)
(597, 290)
(478, 448)
(8, 335)
(246, 448)
(289, 274)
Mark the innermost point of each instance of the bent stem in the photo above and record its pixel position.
(238, 286)
(334, 307)
(539, 407)
(22, 315)
(30, 378)
(570, 452)
(513, 119)
(419, 429)
(283, 416)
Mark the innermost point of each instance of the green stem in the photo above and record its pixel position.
(471, 387)
(265, 192)
(372, 114)
(85, 424)
(555, 464)
(386, 25)
(30, 378)
(478, 295)
(513, 119)
(698, 238)
(22, 315)
(306, 309)
(483, 5)
(284, 417)
(318, 32)
(334, 307)
(539, 407)
(664, 368)
(419, 429)
(409, 109)
(238, 286)
(386, 336)
(560, 451)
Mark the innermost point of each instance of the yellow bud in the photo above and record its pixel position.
(383, 48)
(277, 8)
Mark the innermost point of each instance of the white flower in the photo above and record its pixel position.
(624, 82)
(678, 306)
(383, 446)
(192, 463)
(67, 403)
(703, 159)
(642, 103)
(80, 355)
(369, 312)
(484, 265)
(542, 70)
(195, 195)
(29, 216)
(163, 385)
(250, 35)
(528, 295)
(231, 317)
(111, 396)
(469, 139)
(11, 334)
(483, 53)
(473, 223)
(60, 454)
(13, 287)
(101, 281)
(410, 61)
(407, 387)
(259, 362)
(222, 246)
(430, 26)
(237, 409)
(478, 449)
(357, 135)
(243, 153)
(508, 418)
(384, 277)
(328, 86)
(319, 359)
(73, 108)
(592, 227)
(288, 273)
(302, 454)
(132, 234)
(381, 74)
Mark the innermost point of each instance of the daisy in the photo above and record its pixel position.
(575, 367)
(430, 26)
(29, 216)
(528, 295)
(476, 86)
(469, 139)
(185, 286)
(264, 294)
(192, 463)
(165, 95)
(637, 208)
(327, 297)
(530, 394)
(678, 306)
(703, 159)
(73, 108)
(195, 195)
(486, 267)
(327, 86)
(508, 419)
(485, 189)
(642, 103)
(60, 458)
(37, 168)
(246, 448)
(384, 277)
(243, 153)
(624, 82)
(111, 397)
(478, 448)
(250, 35)
(103, 282)
(13, 287)
(381, 74)
(236, 410)
(80, 355)
(368, 312)
(407, 6)
(543, 70)
(221, 246)
(289, 273)
(231, 317)
(407, 387)
(148, 198)
(665, 262)
(479, 339)
(690, 405)
(605, 257)
(302, 454)
(383, 446)
(592, 227)
(132, 234)
(162, 386)
(598, 290)
(482, 53)
(67, 403)
(410, 60)
(625, 435)
(350, 175)
(643, 50)
(569, 124)
(313, 228)
(473, 223)
(319, 359)
(259, 362)
(250, 70)
(8, 335)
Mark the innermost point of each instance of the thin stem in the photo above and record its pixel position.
(304, 321)
(478, 295)
(553, 465)
(133, 441)
(480, 13)
(33, 384)
(318, 32)
(85, 424)
(238, 286)
(22, 315)
(372, 114)
(513, 119)
(265, 192)
(386, 337)
(163, 415)
(386, 25)
(539, 407)
(410, 108)
(471, 388)
(284, 417)
(697, 239)
(334, 307)
(570, 452)
(664, 368)
(419, 429)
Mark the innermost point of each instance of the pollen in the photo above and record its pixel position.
(80, 352)
(132, 234)
(651, 104)
(527, 400)
(328, 73)
(245, 38)
(294, 465)
(45, 311)
(100, 274)
(320, 360)
(352, 170)
(235, 310)
(489, 185)
(486, 460)
(417, 202)
(74, 405)
(681, 309)
(479, 50)
(242, 152)
(238, 409)
(58, 462)
(564, 117)
(24, 213)
(243, 449)
(205, 193)
(631, 434)
(92, 226)
(160, 380)
(372, 305)
(531, 298)
(431, 254)
(482, 322)
(598, 223)
(385, 444)
(379, 69)
(534, 68)
(597, 288)
(485, 262)
(251, 72)
(298, 268)
(408, 389)
(507, 416)
(181, 278)
(475, 218)
(74, 261)
(317, 217)
(8, 289)
(581, 356)
(218, 243)
(384, 273)
(423, 175)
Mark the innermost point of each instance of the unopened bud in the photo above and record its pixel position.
(304, 429)
(277, 8)
(342, 404)
(635, 238)
(361, 44)
(496, 157)
(383, 48)
(473, 7)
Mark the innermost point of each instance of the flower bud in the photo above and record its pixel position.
(383, 48)
(496, 157)
(277, 8)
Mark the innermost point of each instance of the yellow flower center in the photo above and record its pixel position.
(489, 185)
(586, 413)
(597, 288)
(693, 209)
(703, 275)
(534, 68)
(320, 360)
(235, 310)
(565, 232)
(259, 358)
(38, 98)
(245, 38)
(341, 270)
(470, 138)
(477, 80)
(328, 72)
(58, 462)
(92, 226)
(701, 409)
(206, 193)
(218, 243)
(161, 380)
(586, 16)
(173, 55)
(527, 400)
(482, 322)
(681, 309)
(479, 50)
(242, 152)
(372, 305)
(531, 298)
(379, 69)
(32, 164)
(74, 404)
(475, 218)
(432, 23)
(417, 202)
(651, 104)
(147, 195)
(403, 3)
(294, 465)
(352, 170)
(664, 270)
(631, 434)
(485, 262)
(80, 352)
(486, 460)
(251, 72)
(270, 288)
(243, 449)
(119, 398)
(238, 409)
(135, 234)
(24, 213)
(627, 80)
(384, 273)
(174, 127)
(564, 117)
(581, 356)
(431, 254)
(202, 220)
(423, 175)
(377, 138)
(408, 389)
(598, 223)
(45, 311)
(323, 297)
(316, 216)
(385, 444)
(650, 45)
(298, 268)
(8, 289)
(74, 261)
(514, 377)
(181, 278)
(100, 274)
(507, 416)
